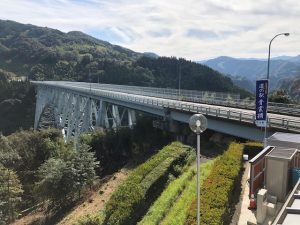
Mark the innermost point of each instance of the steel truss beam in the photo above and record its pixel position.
(75, 113)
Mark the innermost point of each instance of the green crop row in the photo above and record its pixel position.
(135, 195)
(178, 213)
(165, 202)
(218, 188)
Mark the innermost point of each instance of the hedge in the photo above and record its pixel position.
(178, 213)
(166, 199)
(163, 205)
(252, 148)
(218, 188)
(91, 219)
(135, 195)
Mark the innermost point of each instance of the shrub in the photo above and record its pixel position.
(218, 189)
(91, 219)
(252, 148)
(167, 204)
(133, 197)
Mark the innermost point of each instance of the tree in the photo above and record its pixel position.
(83, 165)
(61, 178)
(281, 96)
(10, 194)
(56, 181)
(9, 157)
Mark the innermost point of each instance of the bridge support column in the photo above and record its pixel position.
(38, 108)
(75, 113)
(131, 117)
(44, 97)
(116, 116)
(102, 117)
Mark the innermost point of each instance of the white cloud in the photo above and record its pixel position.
(241, 28)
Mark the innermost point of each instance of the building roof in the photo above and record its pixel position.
(291, 219)
(282, 153)
(290, 212)
(287, 137)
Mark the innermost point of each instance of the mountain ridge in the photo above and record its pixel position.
(244, 71)
(43, 53)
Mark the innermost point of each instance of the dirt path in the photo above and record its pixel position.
(30, 218)
(97, 201)
(94, 203)
(236, 220)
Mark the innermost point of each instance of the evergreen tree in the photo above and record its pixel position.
(61, 178)
(83, 165)
(10, 195)
(9, 157)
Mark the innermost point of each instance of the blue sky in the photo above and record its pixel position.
(193, 29)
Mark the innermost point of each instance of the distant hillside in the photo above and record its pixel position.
(295, 59)
(43, 53)
(166, 74)
(245, 71)
(292, 86)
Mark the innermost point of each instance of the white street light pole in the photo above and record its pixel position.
(198, 179)
(198, 124)
(268, 75)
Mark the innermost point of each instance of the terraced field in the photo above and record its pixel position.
(173, 203)
(162, 191)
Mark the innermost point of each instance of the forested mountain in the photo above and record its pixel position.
(46, 54)
(244, 72)
(166, 74)
(42, 53)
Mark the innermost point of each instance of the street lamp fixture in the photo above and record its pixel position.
(268, 75)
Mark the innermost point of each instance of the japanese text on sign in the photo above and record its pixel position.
(261, 102)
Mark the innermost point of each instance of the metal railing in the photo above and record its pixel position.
(277, 121)
(207, 97)
(191, 95)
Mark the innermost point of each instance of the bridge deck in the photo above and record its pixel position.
(287, 122)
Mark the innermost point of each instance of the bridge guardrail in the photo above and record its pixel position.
(213, 98)
(190, 95)
(231, 114)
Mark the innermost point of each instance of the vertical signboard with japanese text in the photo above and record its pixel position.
(261, 102)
